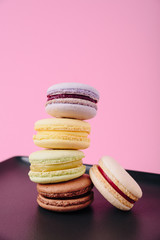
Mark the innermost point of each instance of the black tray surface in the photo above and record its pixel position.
(22, 219)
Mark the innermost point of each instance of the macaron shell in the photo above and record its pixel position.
(71, 111)
(69, 189)
(62, 144)
(108, 163)
(55, 156)
(56, 176)
(78, 88)
(62, 124)
(103, 188)
(66, 205)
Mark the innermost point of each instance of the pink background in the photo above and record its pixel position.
(111, 45)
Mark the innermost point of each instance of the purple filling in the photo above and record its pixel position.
(51, 97)
(114, 186)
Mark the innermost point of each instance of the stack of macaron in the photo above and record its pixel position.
(58, 169)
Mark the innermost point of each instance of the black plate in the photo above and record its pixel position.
(21, 218)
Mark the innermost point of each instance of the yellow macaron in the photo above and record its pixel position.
(62, 133)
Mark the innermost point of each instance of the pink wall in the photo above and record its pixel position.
(111, 45)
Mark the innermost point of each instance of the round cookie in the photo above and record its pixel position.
(67, 196)
(115, 184)
(62, 133)
(51, 166)
(72, 100)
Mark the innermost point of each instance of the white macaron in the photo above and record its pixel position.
(72, 100)
(115, 184)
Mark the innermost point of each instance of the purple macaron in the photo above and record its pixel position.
(72, 100)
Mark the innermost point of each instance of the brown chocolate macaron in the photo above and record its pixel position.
(66, 196)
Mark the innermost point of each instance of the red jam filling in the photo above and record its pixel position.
(66, 95)
(114, 186)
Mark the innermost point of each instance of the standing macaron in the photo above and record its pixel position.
(72, 100)
(115, 184)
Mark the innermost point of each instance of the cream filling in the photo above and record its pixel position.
(117, 183)
(66, 128)
(110, 188)
(72, 101)
(73, 136)
(57, 173)
(66, 202)
(55, 161)
(54, 167)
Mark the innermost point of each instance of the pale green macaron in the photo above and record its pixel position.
(52, 166)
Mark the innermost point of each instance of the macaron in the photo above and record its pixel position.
(52, 166)
(72, 100)
(115, 184)
(67, 196)
(62, 133)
